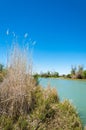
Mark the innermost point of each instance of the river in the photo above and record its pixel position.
(73, 90)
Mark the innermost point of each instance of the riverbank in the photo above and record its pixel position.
(72, 79)
(48, 113)
(73, 90)
(64, 78)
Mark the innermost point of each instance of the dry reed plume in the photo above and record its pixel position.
(16, 89)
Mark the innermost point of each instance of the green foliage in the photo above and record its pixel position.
(80, 69)
(55, 74)
(23, 123)
(68, 76)
(6, 122)
(3, 72)
(69, 112)
(1, 77)
(44, 99)
(36, 76)
(64, 118)
(73, 70)
(45, 96)
(50, 114)
(50, 74)
(1, 67)
(84, 74)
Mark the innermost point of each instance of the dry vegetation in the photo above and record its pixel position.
(16, 89)
(25, 106)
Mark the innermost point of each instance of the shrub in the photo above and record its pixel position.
(64, 118)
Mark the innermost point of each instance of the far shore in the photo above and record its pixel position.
(64, 78)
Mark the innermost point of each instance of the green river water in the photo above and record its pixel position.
(73, 90)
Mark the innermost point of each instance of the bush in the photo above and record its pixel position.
(64, 117)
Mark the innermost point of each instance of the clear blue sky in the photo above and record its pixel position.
(57, 26)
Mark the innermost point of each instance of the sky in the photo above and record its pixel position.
(57, 29)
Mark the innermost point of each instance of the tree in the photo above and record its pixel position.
(80, 69)
(68, 76)
(84, 74)
(1, 67)
(56, 74)
(73, 70)
(79, 74)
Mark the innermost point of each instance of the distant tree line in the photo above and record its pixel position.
(47, 75)
(77, 72)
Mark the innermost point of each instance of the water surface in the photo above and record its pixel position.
(74, 90)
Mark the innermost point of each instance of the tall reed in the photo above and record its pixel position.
(17, 87)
